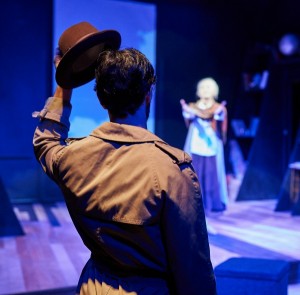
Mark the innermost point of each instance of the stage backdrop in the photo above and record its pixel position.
(31, 32)
(136, 22)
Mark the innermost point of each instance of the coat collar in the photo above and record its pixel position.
(124, 133)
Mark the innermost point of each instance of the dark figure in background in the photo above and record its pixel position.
(135, 200)
(207, 123)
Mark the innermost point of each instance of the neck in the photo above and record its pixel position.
(129, 121)
(205, 102)
(139, 119)
(207, 99)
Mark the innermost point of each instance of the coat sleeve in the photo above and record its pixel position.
(51, 133)
(185, 234)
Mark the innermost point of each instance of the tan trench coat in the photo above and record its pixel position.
(136, 203)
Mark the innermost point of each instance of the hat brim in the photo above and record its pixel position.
(77, 66)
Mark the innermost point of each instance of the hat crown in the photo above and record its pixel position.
(80, 46)
(74, 34)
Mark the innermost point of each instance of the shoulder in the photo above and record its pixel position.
(178, 156)
(176, 176)
(193, 105)
(221, 105)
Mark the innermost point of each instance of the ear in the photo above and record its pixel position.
(148, 97)
(104, 106)
(150, 94)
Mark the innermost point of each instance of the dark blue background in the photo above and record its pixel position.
(195, 39)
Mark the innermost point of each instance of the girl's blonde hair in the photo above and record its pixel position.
(213, 84)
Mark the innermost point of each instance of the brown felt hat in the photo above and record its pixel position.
(80, 46)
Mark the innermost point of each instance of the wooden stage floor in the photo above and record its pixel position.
(51, 255)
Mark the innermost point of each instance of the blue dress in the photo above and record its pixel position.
(204, 143)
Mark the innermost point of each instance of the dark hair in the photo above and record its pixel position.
(123, 78)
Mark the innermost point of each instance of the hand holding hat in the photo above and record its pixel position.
(79, 47)
(57, 57)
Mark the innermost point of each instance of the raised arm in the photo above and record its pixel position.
(188, 113)
(52, 130)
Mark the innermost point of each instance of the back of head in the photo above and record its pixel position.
(123, 79)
